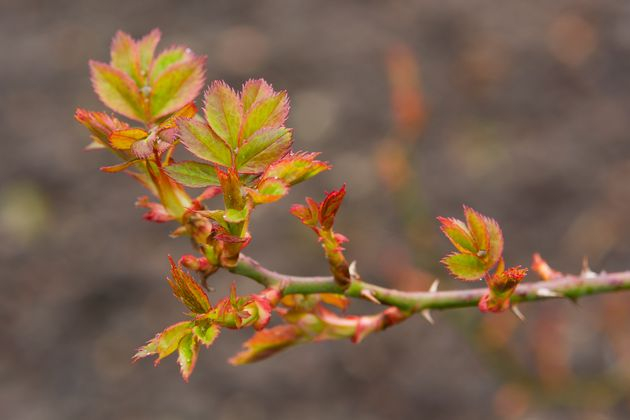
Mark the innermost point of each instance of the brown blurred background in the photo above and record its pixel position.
(519, 109)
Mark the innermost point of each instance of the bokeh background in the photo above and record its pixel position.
(519, 109)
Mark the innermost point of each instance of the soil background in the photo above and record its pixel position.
(527, 120)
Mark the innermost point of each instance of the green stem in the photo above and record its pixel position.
(569, 286)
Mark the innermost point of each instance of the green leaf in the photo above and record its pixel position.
(166, 59)
(188, 351)
(457, 232)
(477, 227)
(224, 112)
(206, 333)
(495, 247)
(166, 342)
(199, 139)
(125, 56)
(146, 49)
(465, 266)
(176, 86)
(193, 174)
(263, 148)
(268, 191)
(186, 289)
(266, 113)
(117, 90)
(296, 168)
(236, 216)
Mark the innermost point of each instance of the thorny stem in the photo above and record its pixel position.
(569, 286)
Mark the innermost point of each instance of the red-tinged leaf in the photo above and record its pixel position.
(206, 333)
(263, 311)
(188, 351)
(495, 242)
(167, 58)
(465, 266)
(201, 141)
(176, 86)
(157, 212)
(224, 112)
(166, 342)
(330, 206)
(193, 174)
(119, 167)
(305, 214)
(117, 90)
(508, 280)
(266, 343)
(457, 232)
(186, 289)
(100, 124)
(124, 139)
(296, 168)
(268, 191)
(478, 229)
(124, 52)
(255, 91)
(262, 149)
(146, 49)
(270, 112)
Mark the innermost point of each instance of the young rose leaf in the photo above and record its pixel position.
(193, 174)
(255, 91)
(186, 289)
(166, 59)
(187, 358)
(117, 90)
(330, 206)
(101, 125)
(458, 234)
(478, 229)
(495, 241)
(268, 191)
(166, 342)
(206, 333)
(201, 141)
(145, 148)
(124, 56)
(266, 343)
(224, 112)
(270, 112)
(146, 49)
(176, 86)
(124, 139)
(304, 213)
(296, 168)
(465, 266)
(263, 148)
(236, 216)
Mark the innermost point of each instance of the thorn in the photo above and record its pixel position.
(548, 293)
(369, 296)
(434, 286)
(586, 269)
(518, 313)
(354, 274)
(426, 314)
